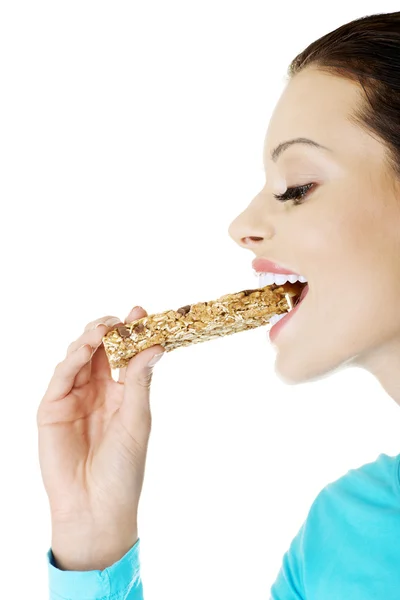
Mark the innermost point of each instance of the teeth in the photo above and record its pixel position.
(270, 278)
(276, 318)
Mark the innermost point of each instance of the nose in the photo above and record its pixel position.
(250, 228)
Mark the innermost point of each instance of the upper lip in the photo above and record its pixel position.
(262, 265)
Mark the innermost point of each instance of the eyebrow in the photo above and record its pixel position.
(275, 154)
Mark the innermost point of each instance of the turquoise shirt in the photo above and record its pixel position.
(347, 548)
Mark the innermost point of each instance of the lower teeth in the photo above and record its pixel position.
(276, 318)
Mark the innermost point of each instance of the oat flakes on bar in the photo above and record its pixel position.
(199, 322)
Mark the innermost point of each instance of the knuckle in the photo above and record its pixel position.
(71, 347)
(107, 321)
(90, 337)
(58, 366)
(39, 413)
(144, 380)
(43, 415)
(77, 344)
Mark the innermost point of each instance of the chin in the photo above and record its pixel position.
(296, 368)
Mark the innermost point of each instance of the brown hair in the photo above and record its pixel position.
(366, 50)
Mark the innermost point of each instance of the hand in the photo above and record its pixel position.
(93, 437)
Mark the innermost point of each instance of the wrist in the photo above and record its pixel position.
(87, 549)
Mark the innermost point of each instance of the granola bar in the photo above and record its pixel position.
(199, 322)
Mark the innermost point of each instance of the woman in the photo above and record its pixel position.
(340, 228)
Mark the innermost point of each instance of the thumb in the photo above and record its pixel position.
(136, 402)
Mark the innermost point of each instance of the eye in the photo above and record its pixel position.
(297, 194)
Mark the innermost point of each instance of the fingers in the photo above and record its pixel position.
(136, 313)
(65, 373)
(91, 332)
(98, 367)
(75, 369)
(86, 357)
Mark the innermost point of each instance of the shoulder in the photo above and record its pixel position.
(359, 494)
(352, 523)
(380, 476)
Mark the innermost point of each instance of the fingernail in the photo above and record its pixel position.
(93, 350)
(80, 347)
(155, 359)
(113, 321)
(109, 323)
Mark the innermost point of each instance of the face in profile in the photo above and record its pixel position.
(343, 235)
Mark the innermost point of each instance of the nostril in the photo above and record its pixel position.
(252, 238)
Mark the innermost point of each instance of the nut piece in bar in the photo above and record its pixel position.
(195, 323)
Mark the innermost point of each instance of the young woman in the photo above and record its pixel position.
(330, 211)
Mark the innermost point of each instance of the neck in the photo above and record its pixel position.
(384, 364)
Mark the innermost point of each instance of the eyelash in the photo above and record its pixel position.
(297, 194)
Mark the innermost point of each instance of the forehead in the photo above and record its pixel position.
(315, 105)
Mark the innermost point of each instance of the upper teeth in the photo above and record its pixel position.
(270, 278)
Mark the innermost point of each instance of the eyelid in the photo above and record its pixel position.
(298, 197)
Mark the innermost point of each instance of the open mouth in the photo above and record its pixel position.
(295, 292)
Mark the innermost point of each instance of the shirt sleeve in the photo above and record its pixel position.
(289, 584)
(121, 581)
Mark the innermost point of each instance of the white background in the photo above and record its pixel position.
(131, 136)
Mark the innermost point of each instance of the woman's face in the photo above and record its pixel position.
(344, 237)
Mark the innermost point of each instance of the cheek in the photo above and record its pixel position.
(356, 254)
(337, 237)
(350, 256)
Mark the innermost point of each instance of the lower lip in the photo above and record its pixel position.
(275, 329)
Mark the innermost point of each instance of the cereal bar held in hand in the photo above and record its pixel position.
(199, 322)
